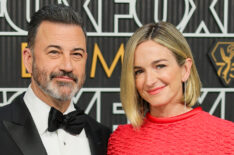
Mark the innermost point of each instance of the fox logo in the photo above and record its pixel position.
(222, 57)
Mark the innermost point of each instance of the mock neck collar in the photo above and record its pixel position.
(174, 118)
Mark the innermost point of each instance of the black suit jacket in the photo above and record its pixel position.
(19, 135)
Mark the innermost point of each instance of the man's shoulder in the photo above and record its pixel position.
(7, 110)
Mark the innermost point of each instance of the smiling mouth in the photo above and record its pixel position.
(63, 76)
(156, 90)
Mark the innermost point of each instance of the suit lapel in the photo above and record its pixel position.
(94, 142)
(97, 137)
(23, 130)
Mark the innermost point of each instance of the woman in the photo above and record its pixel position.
(159, 86)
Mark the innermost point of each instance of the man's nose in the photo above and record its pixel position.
(66, 64)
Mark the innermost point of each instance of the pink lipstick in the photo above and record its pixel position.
(155, 90)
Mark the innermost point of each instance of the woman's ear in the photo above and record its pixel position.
(186, 68)
(28, 58)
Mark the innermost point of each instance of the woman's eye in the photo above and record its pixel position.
(137, 72)
(160, 66)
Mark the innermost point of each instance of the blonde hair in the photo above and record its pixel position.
(168, 36)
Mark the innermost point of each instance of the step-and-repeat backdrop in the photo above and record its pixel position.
(208, 25)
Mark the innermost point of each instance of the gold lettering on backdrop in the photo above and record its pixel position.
(24, 73)
(223, 59)
(97, 54)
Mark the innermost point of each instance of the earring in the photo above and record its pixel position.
(184, 92)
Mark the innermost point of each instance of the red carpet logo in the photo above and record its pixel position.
(222, 57)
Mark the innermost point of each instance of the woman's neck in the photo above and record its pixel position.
(169, 110)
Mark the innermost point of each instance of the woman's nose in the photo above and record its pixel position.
(151, 78)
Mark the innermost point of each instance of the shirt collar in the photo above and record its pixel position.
(39, 110)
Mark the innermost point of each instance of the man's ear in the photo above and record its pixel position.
(186, 68)
(28, 58)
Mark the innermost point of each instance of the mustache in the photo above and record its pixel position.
(63, 73)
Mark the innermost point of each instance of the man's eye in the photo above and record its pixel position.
(53, 52)
(77, 55)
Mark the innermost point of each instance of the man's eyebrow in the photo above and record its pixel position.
(54, 46)
(60, 48)
(78, 49)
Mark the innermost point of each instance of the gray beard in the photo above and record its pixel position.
(49, 89)
(54, 92)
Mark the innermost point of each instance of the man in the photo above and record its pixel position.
(44, 120)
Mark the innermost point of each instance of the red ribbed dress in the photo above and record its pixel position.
(195, 132)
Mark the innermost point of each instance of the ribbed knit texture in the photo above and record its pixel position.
(195, 132)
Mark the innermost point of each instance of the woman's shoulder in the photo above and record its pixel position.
(122, 132)
(216, 120)
(122, 129)
(218, 124)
